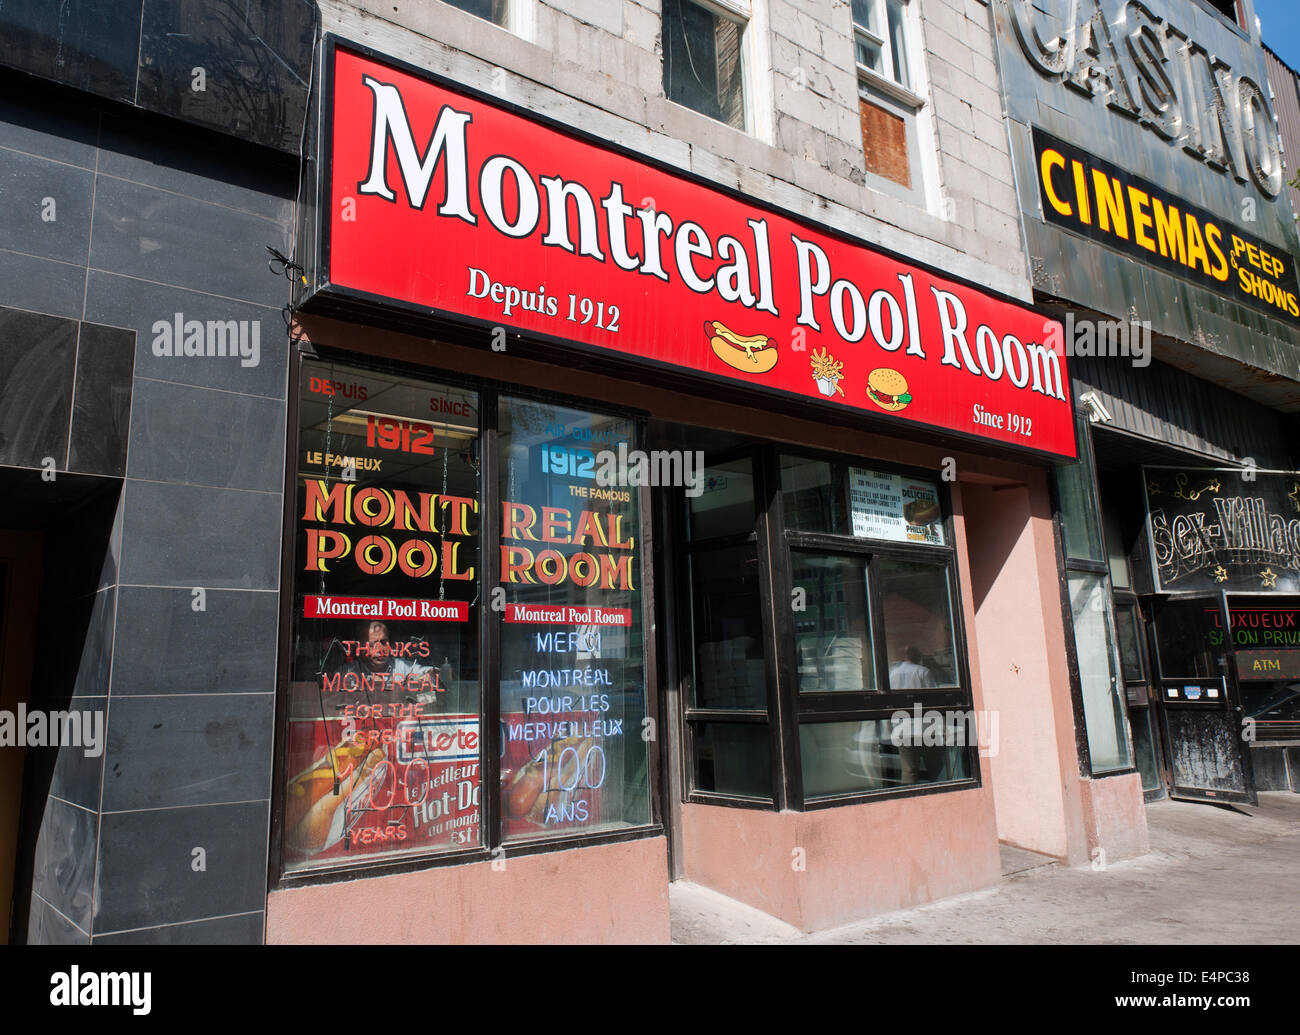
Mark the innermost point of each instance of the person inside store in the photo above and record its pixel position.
(909, 673)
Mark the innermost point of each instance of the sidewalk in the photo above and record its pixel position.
(1215, 875)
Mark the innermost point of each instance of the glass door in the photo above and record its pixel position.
(1139, 694)
(1200, 710)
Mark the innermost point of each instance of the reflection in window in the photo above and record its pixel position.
(573, 693)
(727, 629)
(1188, 636)
(1074, 489)
(918, 624)
(702, 61)
(733, 758)
(833, 631)
(813, 495)
(1130, 653)
(493, 10)
(881, 754)
(1103, 708)
(725, 505)
(385, 649)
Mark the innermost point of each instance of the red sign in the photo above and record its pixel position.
(386, 609)
(445, 202)
(567, 614)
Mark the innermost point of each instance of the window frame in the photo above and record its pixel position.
(491, 844)
(692, 716)
(885, 82)
(787, 708)
(910, 104)
(1068, 565)
(742, 14)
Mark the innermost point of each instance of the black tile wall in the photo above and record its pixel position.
(65, 860)
(140, 304)
(147, 865)
(46, 927)
(75, 775)
(190, 168)
(47, 205)
(255, 57)
(188, 749)
(42, 285)
(37, 355)
(148, 233)
(181, 535)
(89, 647)
(101, 400)
(89, 44)
(150, 225)
(227, 930)
(165, 646)
(202, 437)
(62, 131)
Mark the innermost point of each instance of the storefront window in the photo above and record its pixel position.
(868, 570)
(918, 625)
(733, 758)
(878, 755)
(814, 496)
(1080, 529)
(1189, 638)
(728, 629)
(725, 505)
(1130, 654)
(1094, 642)
(833, 632)
(573, 685)
(382, 748)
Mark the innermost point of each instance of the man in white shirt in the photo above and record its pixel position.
(910, 674)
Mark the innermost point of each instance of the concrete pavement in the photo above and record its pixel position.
(1215, 875)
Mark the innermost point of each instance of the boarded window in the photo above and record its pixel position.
(884, 143)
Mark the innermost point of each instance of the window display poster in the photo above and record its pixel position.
(894, 507)
(573, 755)
(383, 738)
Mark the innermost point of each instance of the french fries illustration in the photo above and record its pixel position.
(749, 353)
(827, 371)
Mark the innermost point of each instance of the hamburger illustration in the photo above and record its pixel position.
(888, 389)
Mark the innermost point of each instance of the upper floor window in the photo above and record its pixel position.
(703, 63)
(497, 11)
(881, 39)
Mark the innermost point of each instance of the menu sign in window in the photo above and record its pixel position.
(894, 507)
(383, 739)
(574, 758)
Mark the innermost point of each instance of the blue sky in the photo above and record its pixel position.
(1279, 21)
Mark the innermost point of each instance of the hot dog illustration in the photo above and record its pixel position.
(748, 353)
(316, 800)
(528, 797)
